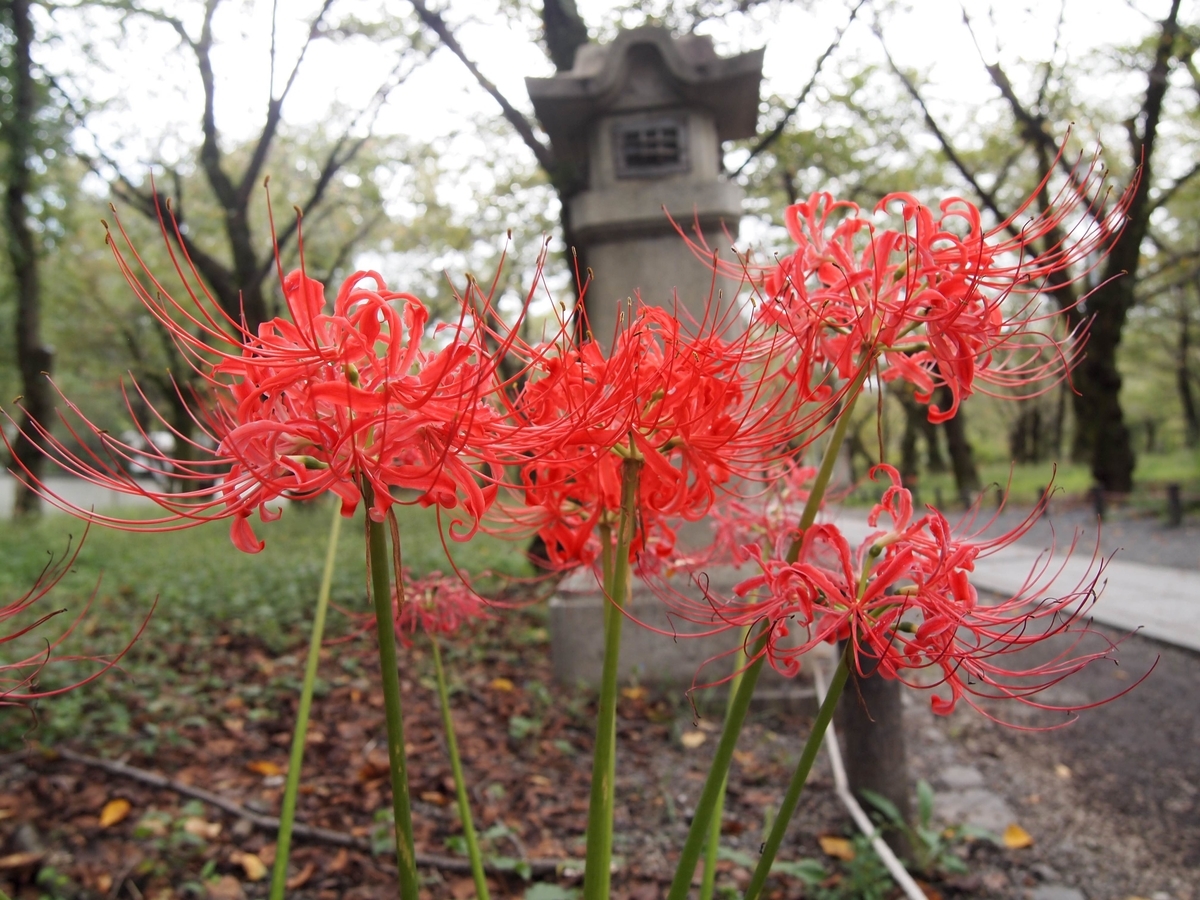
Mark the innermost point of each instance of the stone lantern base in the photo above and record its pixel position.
(653, 658)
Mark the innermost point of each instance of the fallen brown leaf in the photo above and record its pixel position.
(225, 888)
(20, 860)
(301, 878)
(341, 860)
(265, 767)
(201, 828)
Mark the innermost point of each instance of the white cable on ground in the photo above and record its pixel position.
(842, 786)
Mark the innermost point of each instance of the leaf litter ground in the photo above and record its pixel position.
(68, 829)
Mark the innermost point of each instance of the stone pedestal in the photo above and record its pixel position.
(651, 657)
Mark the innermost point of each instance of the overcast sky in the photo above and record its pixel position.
(159, 90)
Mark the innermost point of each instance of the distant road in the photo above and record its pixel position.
(74, 490)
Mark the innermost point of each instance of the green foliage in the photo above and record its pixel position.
(933, 849)
(545, 891)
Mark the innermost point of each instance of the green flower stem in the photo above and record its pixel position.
(828, 461)
(792, 797)
(287, 813)
(379, 563)
(717, 773)
(736, 714)
(597, 868)
(460, 784)
(708, 884)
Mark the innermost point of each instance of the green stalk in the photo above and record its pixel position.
(597, 873)
(379, 563)
(717, 773)
(460, 784)
(792, 797)
(738, 708)
(708, 884)
(287, 813)
(828, 461)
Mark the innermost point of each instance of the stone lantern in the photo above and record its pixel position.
(638, 125)
(640, 122)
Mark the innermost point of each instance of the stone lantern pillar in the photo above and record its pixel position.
(640, 121)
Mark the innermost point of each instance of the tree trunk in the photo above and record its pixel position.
(1183, 376)
(962, 457)
(1103, 421)
(1109, 304)
(934, 460)
(910, 469)
(1057, 428)
(33, 358)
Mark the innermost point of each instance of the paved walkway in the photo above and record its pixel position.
(1162, 601)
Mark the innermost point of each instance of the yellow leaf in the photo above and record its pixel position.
(1016, 837)
(114, 811)
(265, 767)
(634, 693)
(255, 868)
(693, 739)
(837, 847)
(501, 684)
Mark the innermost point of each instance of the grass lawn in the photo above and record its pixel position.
(1025, 483)
(206, 590)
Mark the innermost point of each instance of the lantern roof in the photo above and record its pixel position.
(647, 69)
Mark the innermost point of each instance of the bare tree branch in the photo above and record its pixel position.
(775, 133)
(435, 23)
(250, 177)
(986, 196)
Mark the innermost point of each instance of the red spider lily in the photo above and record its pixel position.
(903, 598)
(938, 300)
(18, 679)
(347, 402)
(692, 410)
(435, 603)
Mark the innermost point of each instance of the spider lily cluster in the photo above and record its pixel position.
(605, 449)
